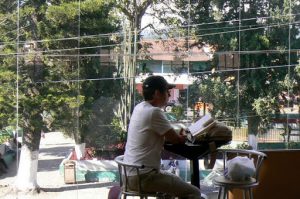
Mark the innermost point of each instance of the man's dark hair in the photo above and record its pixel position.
(153, 83)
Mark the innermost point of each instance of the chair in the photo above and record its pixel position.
(124, 183)
(226, 184)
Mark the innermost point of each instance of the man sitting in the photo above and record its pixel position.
(147, 132)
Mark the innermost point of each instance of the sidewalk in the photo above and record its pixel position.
(53, 149)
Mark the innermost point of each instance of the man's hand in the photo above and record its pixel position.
(182, 136)
(176, 138)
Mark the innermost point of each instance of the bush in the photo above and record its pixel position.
(4, 135)
(3, 138)
(292, 145)
(244, 146)
(178, 111)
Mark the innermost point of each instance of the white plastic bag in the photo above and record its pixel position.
(240, 168)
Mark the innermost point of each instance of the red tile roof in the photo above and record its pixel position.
(172, 50)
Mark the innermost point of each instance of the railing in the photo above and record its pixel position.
(239, 134)
(272, 135)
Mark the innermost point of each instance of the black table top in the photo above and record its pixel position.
(192, 151)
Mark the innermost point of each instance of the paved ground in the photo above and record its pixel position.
(53, 149)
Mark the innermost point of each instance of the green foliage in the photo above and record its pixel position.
(4, 138)
(297, 69)
(296, 80)
(118, 130)
(62, 21)
(292, 145)
(258, 88)
(48, 97)
(99, 129)
(7, 101)
(194, 94)
(221, 94)
(5, 134)
(244, 145)
(266, 107)
(178, 111)
(227, 146)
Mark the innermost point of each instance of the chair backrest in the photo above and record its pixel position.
(123, 172)
(256, 155)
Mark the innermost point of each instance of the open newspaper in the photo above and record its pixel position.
(199, 127)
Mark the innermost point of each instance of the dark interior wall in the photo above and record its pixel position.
(279, 177)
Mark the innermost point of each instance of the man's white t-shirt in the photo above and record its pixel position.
(145, 139)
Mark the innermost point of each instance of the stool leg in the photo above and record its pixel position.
(251, 193)
(220, 192)
(245, 192)
(225, 194)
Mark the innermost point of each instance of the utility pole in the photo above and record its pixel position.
(134, 51)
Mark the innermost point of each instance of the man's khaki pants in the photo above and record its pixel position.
(164, 182)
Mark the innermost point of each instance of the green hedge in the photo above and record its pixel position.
(279, 145)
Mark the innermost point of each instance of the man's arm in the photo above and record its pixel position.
(174, 137)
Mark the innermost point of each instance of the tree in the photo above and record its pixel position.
(94, 19)
(133, 11)
(45, 84)
(7, 63)
(297, 85)
(255, 31)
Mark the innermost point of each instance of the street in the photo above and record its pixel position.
(53, 149)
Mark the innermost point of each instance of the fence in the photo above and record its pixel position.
(272, 135)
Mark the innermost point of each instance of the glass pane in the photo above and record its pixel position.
(68, 76)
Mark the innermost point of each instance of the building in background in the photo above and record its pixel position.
(173, 59)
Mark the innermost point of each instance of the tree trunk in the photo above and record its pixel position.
(26, 180)
(253, 123)
(27, 171)
(80, 149)
(131, 26)
(128, 72)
